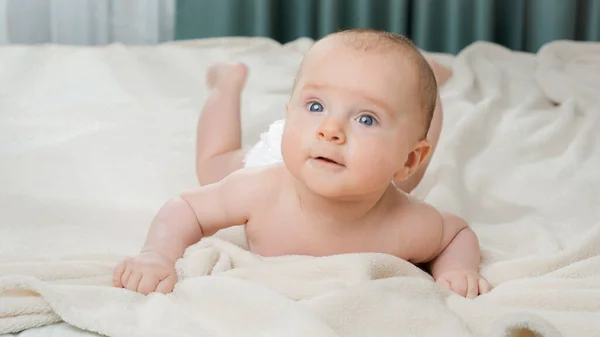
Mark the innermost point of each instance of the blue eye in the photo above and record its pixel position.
(366, 120)
(315, 107)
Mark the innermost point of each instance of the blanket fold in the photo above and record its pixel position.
(225, 290)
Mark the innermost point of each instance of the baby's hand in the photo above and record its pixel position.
(464, 282)
(146, 273)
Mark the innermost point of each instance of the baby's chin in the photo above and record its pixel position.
(329, 191)
(323, 185)
(342, 188)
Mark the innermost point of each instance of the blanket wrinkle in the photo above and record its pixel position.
(95, 140)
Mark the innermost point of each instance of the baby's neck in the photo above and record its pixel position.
(345, 210)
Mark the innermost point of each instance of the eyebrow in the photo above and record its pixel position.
(388, 109)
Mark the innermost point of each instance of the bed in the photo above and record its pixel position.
(95, 139)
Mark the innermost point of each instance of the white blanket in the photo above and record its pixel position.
(94, 140)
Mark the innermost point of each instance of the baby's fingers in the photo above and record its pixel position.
(472, 287)
(134, 280)
(117, 273)
(126, 274)
(460, 286)
(147, 284)
(166, 286)
(484, 286)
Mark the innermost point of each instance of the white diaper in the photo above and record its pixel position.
(268, 149)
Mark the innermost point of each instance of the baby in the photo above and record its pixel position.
(355, 128)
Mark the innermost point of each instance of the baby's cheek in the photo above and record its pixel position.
(292, 146)
(287, 141)
(374, 164)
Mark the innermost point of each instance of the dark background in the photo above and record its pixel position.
(434, 25)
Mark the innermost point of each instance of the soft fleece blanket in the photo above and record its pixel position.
(94, 140)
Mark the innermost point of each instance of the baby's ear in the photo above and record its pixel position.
(415, 159)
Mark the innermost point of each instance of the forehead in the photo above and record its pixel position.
(381, 75)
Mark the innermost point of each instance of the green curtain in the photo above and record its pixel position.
(434, 25)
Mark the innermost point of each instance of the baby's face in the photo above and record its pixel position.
(352, 121)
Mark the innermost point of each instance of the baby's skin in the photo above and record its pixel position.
(355, 126)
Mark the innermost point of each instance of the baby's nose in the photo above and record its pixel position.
(331, 131)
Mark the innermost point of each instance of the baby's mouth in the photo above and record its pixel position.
(328, 160)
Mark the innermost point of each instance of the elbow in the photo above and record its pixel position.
(454, 227)
(454, 221)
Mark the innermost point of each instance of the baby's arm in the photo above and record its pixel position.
(459, 247)
(452, 252)
(457, 266)
(201, 212)
(181, 222)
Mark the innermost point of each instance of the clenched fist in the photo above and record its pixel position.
(146, 273)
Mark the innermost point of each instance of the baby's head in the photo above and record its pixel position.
(360, 109)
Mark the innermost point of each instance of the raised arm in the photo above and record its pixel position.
(183, 221)
(200, 212)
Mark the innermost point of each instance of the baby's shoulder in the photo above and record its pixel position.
(257, 180)
(410, 210)
(242, 192)
(418, 227)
